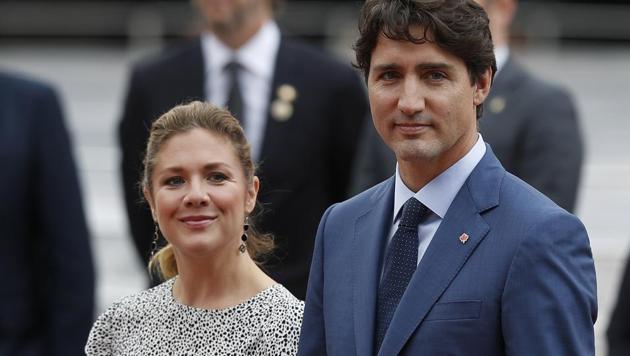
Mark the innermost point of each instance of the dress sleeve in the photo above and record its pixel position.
(101, 339)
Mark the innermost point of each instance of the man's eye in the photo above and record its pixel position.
(217, 177)
(437, 76)
(388, 75)
(174, 181)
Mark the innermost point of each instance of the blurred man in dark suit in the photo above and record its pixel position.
(47, 295)
(532, 125)
(618, 332)
(301, 111)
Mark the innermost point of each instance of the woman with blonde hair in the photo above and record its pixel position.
(200, 185)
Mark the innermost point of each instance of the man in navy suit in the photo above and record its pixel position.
(301, 111)
(47, 293)
(452, 255)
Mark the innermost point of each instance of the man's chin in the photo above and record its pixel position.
(409, 152)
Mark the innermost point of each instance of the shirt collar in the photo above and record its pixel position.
(439, 193)
(257, 55)
(501, 54)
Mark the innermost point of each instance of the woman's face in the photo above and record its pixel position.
(200, 196)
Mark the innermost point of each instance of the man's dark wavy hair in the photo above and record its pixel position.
(460, 27)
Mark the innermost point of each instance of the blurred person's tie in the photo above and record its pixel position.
(235, 99)
(401, 260)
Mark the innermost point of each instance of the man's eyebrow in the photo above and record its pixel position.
(386, 67)
(434, 65)
(423, 66)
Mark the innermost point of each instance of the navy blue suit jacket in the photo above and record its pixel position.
(522, 284)
(47, 293)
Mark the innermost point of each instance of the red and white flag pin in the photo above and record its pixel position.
(463, 238)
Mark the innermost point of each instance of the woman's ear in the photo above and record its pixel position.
(252, 193)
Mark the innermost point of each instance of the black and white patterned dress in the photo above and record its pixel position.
(153, 323)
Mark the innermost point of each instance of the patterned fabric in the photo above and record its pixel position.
(401, 261)
(153, 323)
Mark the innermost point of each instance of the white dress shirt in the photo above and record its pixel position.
(257, 58)
(437, 195)
(501, 55)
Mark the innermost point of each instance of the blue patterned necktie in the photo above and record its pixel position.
(235, 99)
(401, 261)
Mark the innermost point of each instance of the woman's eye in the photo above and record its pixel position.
(217, 177)
(174, 181)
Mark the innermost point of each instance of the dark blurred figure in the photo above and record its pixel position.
(47, 296)
(618, 333)
(531, 125)
(301, 111)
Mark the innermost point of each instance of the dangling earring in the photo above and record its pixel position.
(243, 246)
(156, 237)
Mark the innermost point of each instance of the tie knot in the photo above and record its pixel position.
(412, 213)
(232, 67)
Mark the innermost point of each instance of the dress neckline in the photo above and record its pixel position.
(258, 296)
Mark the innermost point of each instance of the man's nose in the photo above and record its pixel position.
(411, 99)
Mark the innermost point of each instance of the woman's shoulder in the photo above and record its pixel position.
(282, 330)
(150, 298)
(138, 304)
(283, 299)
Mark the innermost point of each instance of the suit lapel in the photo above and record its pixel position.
(446, 254)
(274, 129)
(368, 245)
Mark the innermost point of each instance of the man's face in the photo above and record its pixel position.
(422, 100)
(224, 15)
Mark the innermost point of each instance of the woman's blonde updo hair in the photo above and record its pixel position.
(184, 118)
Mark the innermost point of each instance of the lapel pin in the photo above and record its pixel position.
(463, 238)
(286, 92)
(281, 110)
(497, 104)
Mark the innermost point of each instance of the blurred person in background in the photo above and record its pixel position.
(532, 125)
(200, 185)
(618, 332)
(300, 110)
(47, 296)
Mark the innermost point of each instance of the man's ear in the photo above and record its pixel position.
(149, 199)
(252, 193)
(482, 87)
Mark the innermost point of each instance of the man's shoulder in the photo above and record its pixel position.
(23, 86)
(527, 82)
(364, 201)
(519, 199)
(171, 57)
(319, 62)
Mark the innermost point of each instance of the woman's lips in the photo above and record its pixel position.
(198, 221)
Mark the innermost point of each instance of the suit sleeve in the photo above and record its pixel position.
(350, 112)
(549, 303)
(133, 135)
(69, 274)
(552, 149)
(313, 334)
